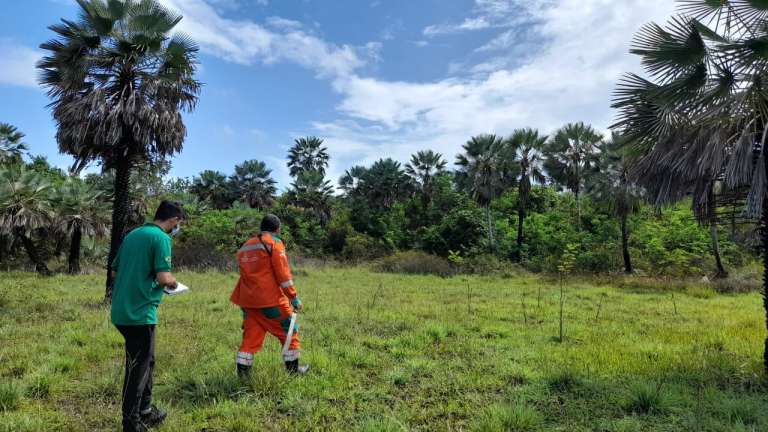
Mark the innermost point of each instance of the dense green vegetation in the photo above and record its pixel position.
(526, 197)
(540, 280)
(393, 352)
(383, 209)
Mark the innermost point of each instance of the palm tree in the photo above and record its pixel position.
(613, 187)
(423, 168)
(312, 192)
(12, 146)
(25, 208)
(572, 156)
(351, 179)
(119, 82)
(385, 183)
(253, 184)
(80, 211)
(484, 173)
(213, 187)
(703, 114)
(307, 154)
(525, 147)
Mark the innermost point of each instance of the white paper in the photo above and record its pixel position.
(180, 288)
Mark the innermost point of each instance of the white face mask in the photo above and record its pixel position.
(175, 231)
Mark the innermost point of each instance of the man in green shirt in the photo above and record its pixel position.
(142, 269)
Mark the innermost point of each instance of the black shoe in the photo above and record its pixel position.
(293, 368)
(134, 426)
(154, 416)
(243, 371)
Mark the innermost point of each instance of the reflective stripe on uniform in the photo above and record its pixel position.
(253, 247)
(245, 359)
(291, 355)
(287, 284)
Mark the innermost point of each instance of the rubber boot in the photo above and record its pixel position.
(154, 416)
(243, 371)
(293, 368)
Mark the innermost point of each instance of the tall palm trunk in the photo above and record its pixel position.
(34, 254)
(577, 193)
(74, 250)
(426, 193)
(712, 216)
(522, 199)
(119, 215)
(764, 235)
(721, 271)
(625, 244)
(490, 227)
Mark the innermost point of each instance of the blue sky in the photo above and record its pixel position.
(374, 78)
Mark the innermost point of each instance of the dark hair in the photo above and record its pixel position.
(270, 223)
(169, 210)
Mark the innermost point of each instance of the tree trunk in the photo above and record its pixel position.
(34, 254)
(119, 214)
(625, 244)
(490, 227)
(721, 271)
(74, 251)
(577, 193)
(764, 235)
(712, 219)
(521, 202)
(60, 241)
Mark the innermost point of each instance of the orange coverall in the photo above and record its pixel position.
(266, 294)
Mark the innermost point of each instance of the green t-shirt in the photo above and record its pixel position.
(145, 252)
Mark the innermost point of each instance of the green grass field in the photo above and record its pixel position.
(396, 353)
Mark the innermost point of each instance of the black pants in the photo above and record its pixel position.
(139, 366)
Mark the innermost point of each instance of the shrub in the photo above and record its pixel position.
(564, 381)
(39, 388)
(626, 424)
(741, 281)
(647, 398)
(361, 247)
(459, 231)
(202, 256)
(487, 265)
(381, 425)
(518, 418)
(224, 230)
(206, 388)
(740, 410)
(9, 396)
(415, 263)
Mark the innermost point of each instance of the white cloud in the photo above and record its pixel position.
(570, 77)
(246, 42)
(236, 4)
(283, 23)
(503, 41)
(17, 64)
(488, 14)
(468, 24)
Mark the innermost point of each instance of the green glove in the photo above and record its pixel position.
(296, 303)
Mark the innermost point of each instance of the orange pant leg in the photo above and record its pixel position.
(253, 337)
(276, 321)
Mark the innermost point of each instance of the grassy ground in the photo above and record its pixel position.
(392, 353)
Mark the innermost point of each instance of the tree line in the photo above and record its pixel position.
(119, 79)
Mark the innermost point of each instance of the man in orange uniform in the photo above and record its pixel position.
(267, 296)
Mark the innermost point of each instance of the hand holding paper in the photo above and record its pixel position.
(180, 288)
